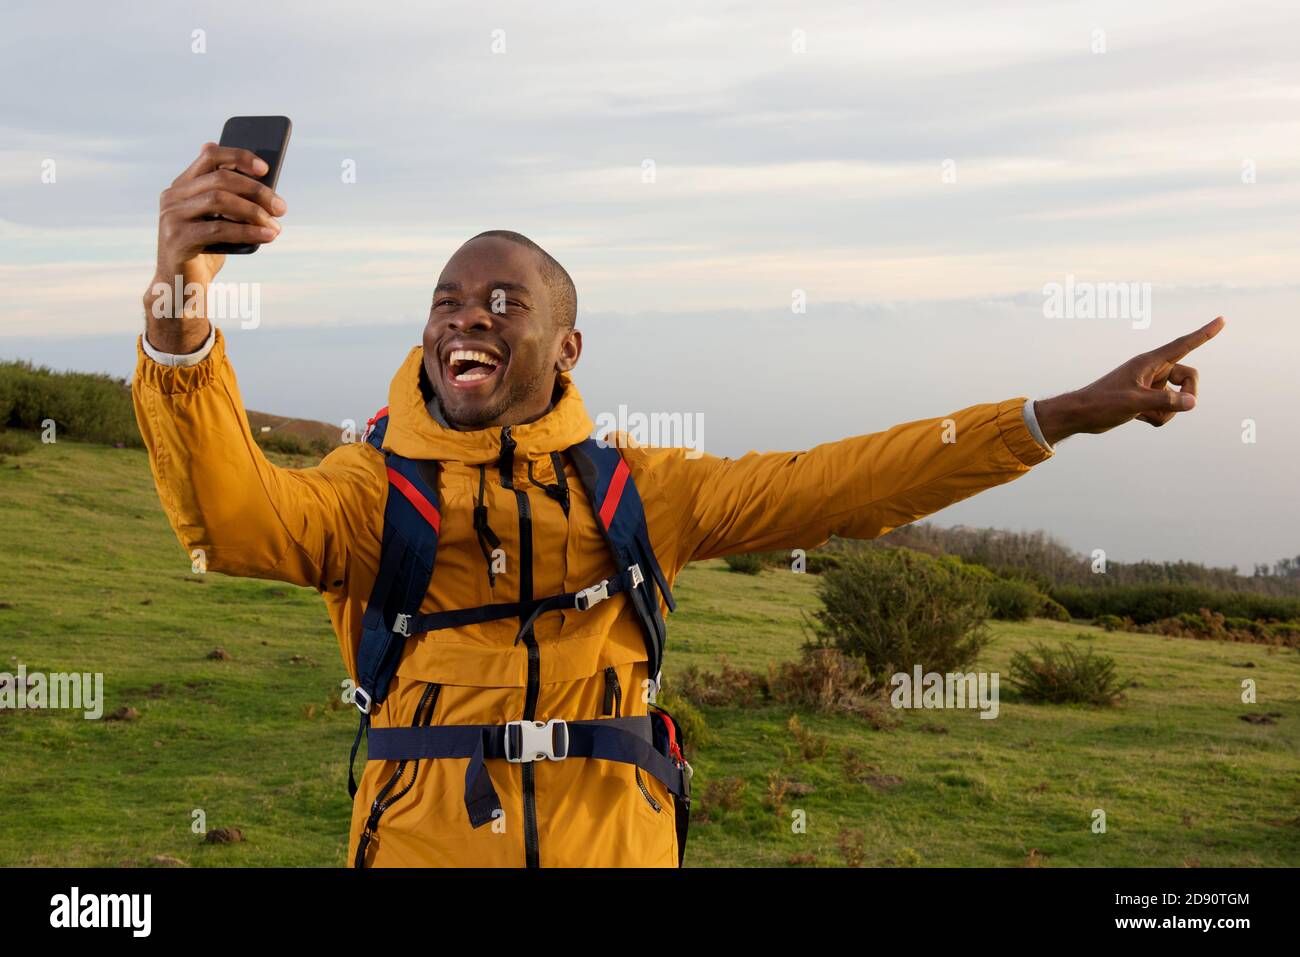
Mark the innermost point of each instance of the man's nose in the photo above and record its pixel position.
(473, 315)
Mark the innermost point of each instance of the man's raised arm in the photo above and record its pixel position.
(231, 508)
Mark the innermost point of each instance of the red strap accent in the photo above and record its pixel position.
(377, 416)
(673, 749)
(610, 505)
(422, 504)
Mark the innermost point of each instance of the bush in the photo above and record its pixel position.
(828, 681)
(1145, 604)
(1011, 600)
(751, 563)
(729, 688)
(821, 562)
(1065, 675)
(1053, 610)
(1110, 622)
(893, 609)
(15, 443)
(1212, 626)
(84, 406)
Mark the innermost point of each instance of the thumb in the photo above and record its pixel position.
(1165, 400)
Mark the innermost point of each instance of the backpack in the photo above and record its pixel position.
(412, 523)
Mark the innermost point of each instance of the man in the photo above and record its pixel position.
(489, 397)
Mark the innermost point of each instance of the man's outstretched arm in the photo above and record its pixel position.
(862, 487)
(221, 495)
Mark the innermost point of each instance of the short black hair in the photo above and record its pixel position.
(564, 295)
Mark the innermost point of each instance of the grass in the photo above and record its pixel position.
(92, 579)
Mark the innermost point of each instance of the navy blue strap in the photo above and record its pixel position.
(527, 611)
(627, 740)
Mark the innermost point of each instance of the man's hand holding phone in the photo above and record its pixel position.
(222, 182)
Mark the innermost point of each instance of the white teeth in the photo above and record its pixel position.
(469, 355)
(472, 355)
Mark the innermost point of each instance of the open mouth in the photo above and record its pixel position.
(471, 366)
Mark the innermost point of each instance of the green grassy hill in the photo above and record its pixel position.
(92, 579)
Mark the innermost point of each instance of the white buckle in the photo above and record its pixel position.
(538, 740)
(637, 577)
(591, 596)
(402, 625)
(359, 696)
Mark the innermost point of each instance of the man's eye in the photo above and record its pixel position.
(443, 301)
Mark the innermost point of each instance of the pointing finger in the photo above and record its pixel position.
(1175, 350)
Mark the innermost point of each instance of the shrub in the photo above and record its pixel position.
(729, 688)
(823, 680)
(1066, 675)
(750, 563)
(1011, 600)
(1053, 610)
(807, 745)
(821, 562)
(85, 406)
(720, 794)
(1145, 604)
(15, 443)
(826, 680)
(893, 609)
(1110, 622)
(1212, 626)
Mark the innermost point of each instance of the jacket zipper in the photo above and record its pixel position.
(382, 801)
(532, 855)
(614, 702)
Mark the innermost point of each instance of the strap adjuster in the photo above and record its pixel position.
(362, 699)
(591, 596)
(637, 578)
(402, 625)
(527, 741)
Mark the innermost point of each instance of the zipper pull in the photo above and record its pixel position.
(507, 458)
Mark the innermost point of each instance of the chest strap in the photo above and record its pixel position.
(626, 740)
(526, 611)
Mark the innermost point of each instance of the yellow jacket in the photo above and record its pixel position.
(321, 527)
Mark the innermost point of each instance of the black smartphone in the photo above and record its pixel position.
(268, 137)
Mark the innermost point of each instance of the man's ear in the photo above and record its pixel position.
(570, 351)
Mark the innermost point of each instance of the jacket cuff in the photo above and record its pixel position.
(180, 359)
(171, 380)
(1031, 420)
(1015, 433)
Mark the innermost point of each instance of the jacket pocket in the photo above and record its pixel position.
(397, 786)
(613, 708)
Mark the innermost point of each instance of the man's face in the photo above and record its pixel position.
(493, 346)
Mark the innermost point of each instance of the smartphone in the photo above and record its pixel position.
(268, 137)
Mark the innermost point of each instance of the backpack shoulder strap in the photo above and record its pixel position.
(409, 546)
(621, 516)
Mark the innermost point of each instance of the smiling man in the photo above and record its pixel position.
(497, 580)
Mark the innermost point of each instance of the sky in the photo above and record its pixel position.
(917, 174)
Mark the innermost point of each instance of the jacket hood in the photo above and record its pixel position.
(414, 432)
